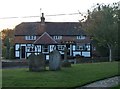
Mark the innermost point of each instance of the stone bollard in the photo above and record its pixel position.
(55, 60)
(37, 62)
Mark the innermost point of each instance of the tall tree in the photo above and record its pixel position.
(7, 33)
(102, 25)
(7, 44)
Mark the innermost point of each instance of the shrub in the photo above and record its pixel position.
(12, 53)
(4, 52)
(66, 64)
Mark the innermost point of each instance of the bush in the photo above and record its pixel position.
(12, 53)
(4, 52)
(66, 64)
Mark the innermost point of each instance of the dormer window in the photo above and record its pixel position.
(82, 37)
(57, 37)
(30, 37)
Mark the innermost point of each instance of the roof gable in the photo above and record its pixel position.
(45, 38)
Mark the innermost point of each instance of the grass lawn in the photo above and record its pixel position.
(0, 78)
(117, 87)
(77, 75)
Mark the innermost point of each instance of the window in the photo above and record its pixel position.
(39, 48)
(85, 47)
(30, 37)
(17, 47)
(30, 49)
(57, 37)
(45, 48)
(61, 47)
(17, 54)
(79, 47)
(88, 47)
(81, 37)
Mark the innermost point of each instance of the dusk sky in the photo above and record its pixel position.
(21, 8)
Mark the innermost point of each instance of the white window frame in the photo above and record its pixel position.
(61, 47)
(17, 46)
(78, 47)
(88, 47)
(45, 48)
(31, 47)
(30, 37)
(17, 54)
(57, 37)
(39, 48)
(82, 37)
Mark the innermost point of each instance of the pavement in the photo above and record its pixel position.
(103, 84)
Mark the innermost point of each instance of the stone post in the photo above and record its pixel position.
(55, 60)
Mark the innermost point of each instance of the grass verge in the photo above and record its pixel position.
(77, 75)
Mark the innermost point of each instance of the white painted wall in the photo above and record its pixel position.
(28, 54)
(73, 47)
(47, 57)
(70, 50)
(52, 47)
(35, 49)
(86, 54)
(76, 53)
(23, 44)
(39, 48)
(61, 52)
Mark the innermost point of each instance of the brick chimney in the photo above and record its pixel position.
(42, 25)
(42, 19)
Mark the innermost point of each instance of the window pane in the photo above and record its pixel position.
(17, 54)
(17, 47)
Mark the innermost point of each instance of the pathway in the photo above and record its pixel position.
(103, 84)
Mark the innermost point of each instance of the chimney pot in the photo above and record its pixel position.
(42, 18)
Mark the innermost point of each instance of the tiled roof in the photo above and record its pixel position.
(52, 28)
(45, 38)
(21, 39)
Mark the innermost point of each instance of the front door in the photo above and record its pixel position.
(22, 51)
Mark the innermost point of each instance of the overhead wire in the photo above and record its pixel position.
(39, 16)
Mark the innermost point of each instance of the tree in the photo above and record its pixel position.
(7, 44)
(7, 40)
(102, 25)
(7, 33)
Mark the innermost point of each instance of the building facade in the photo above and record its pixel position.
(44, 37)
